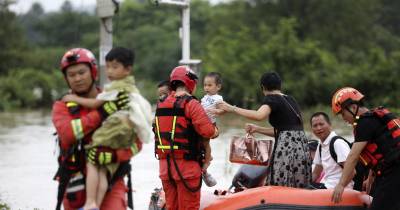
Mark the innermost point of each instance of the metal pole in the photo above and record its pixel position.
(105, 11)
(105, 46)
(186, 33)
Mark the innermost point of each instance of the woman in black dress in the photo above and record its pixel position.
(290, 163)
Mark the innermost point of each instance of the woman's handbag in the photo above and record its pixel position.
(248, 150)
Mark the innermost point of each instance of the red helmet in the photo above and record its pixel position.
(79, 55)
(344, 97)
(185, 75)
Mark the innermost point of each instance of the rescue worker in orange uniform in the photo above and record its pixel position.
(180, 125)
(75, 125)
(376, 146)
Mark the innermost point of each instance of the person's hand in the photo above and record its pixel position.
(101, 156)
(337, 193)
(250, 128)
(367, 184)
(216, 112)
(69, 98)
(225, 106)
(110, 107)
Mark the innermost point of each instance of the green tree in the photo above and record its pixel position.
(12, 40)
(67, 27)
(153, 33)
(29, 20)
(316, 46)
(244, 56)
(29, 88)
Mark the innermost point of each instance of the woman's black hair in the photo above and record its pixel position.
(271, 81)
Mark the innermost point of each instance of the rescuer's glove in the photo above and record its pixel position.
(110, 107)
(101, 156)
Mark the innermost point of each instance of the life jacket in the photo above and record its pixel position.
(175, 136)
(382, 153)
(361, 171)
(174, 132)
(71, 165)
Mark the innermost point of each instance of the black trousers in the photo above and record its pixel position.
(387, 191)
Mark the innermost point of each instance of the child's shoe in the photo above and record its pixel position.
(208, 179)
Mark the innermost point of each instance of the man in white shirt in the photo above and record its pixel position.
(323, 160)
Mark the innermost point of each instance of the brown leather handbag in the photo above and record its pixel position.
(248, 150)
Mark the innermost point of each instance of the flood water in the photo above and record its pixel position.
(28, 163)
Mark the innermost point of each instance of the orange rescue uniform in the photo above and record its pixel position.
(177, 196)
(69, 128)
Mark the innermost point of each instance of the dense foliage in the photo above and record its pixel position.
(316, 46)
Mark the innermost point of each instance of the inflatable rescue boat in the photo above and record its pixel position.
(282, 198)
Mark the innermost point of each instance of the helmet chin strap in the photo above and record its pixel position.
(354, 114)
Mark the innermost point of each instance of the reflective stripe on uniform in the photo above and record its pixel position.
(76, 183)
(158, 133)
(71, 104)
(161, 146)
(75, 189)
(173, 130)
(134, 149)
(77, 128)
(166, 147)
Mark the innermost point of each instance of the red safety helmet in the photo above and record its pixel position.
(185, 75)
(79, 55)
(344, 97)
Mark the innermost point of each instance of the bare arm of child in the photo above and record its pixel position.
(86, 102)
(216, 111)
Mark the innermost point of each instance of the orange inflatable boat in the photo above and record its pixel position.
(282, 198)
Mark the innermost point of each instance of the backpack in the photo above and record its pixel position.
(361, 171)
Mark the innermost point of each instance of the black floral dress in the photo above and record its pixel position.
(290, 163)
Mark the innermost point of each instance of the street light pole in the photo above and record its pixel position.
(105, 11)
(184, 32)
(185, 35)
